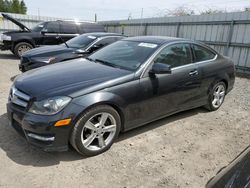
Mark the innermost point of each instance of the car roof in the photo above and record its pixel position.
(103, 34)
(156, 39)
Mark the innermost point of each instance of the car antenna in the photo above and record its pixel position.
(58, 36)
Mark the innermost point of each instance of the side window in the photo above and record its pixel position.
(53, 27)
(202, 54)
(175, 55)
(69, 28)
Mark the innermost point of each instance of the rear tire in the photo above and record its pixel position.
(216, 96)
(22, 47)
(96, 130)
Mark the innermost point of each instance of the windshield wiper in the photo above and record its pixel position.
(89, 59)
(107, 63)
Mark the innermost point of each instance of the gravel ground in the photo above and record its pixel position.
(184, 150)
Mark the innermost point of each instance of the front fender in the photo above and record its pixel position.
(24, 39)
(101, 97)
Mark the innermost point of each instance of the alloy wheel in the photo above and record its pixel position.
(22, 49)
(218, 96)
(98, 131)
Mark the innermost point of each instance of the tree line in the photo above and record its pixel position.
(13, 6)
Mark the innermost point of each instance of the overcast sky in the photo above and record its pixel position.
(120, 9)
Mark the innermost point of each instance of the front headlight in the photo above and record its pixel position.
(6, 37)
(49, 106)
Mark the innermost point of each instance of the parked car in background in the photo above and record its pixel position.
(129, 83)
(235, 175)
(79, 46)
(45, 33)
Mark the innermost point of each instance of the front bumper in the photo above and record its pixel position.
(5, 45)
(39, 130)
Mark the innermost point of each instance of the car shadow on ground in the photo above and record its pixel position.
(161, 122)
(8, 56)
(19, 151)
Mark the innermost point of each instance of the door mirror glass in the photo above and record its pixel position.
(160, 68)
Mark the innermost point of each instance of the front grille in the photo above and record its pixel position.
(19, 98)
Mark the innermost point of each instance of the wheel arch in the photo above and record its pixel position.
(30, 41)
(102, 98)
(222, 78)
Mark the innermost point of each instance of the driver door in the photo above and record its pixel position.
(163, 94)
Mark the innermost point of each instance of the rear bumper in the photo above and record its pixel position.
(39, 130)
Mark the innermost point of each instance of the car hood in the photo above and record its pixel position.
(70, 77)
(47, 51)
(15, 21)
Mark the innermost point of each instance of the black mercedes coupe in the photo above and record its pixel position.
(134, 81)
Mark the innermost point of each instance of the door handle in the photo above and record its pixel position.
(193, 72)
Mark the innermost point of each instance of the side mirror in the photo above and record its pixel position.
(160, 68)
(81, 52)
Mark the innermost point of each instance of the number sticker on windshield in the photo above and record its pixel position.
(147, 45)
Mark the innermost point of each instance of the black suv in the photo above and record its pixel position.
(45, 33)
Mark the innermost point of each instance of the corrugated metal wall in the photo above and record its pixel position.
(28, 20)
(228, 33)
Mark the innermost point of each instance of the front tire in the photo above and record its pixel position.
(22, 47)
(96, 130)
(216, 96)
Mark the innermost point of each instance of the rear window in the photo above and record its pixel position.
(69, 28)
(202, 54)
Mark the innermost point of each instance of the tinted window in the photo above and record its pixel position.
(53, 27)
(125, 54)
(175, 55)
(38, 27)
(69, 28)
(202, 54)
(81, 41)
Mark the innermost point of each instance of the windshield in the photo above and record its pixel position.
(81, 41)
(125, 54)
(38, 27)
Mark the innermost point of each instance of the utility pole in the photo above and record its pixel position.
(95, 17)
(141, 13)
(129, 16)
(141, 18)
(38, 12)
